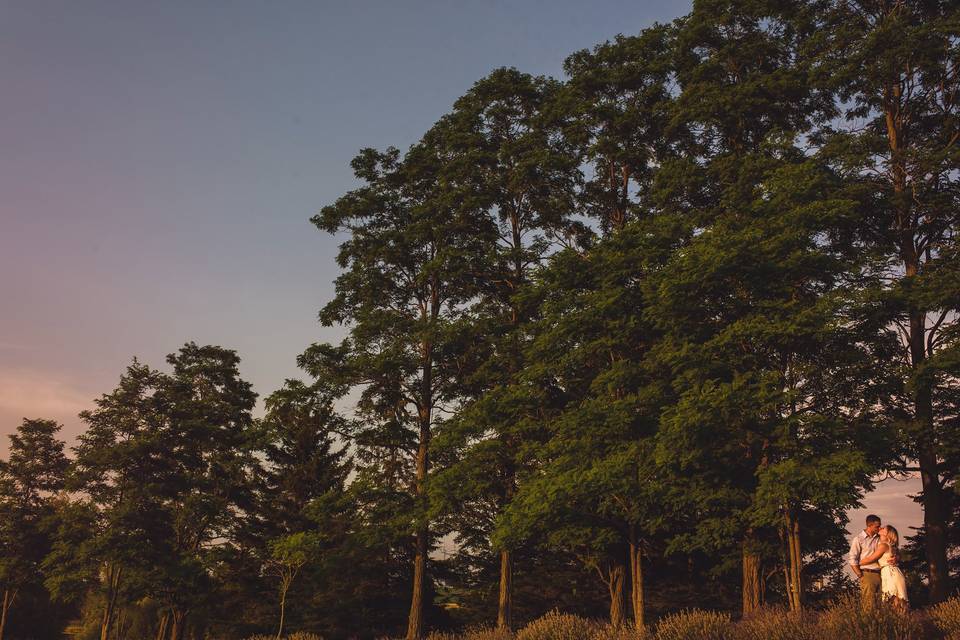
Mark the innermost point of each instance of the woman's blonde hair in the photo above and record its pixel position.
(893, 539)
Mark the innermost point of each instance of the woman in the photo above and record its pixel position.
(893, 585)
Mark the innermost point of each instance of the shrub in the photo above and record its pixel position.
(303, 635)
(627, 632)
(695, 625)
(850, 620)
(946, 616)
(776, 624)
(487, 633)
(558, 626)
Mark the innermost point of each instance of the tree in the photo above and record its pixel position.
(408, 265)
(288, 555)
(33, 472)
(893, 66)
(208, 439)
(120, 470)
(302, 507)
(303, 460)
(507, 153)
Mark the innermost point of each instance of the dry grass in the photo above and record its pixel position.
(559, 626)
(774, 623)
(695, 624)
(946, 617)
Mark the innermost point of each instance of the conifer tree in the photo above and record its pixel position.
(34, 470)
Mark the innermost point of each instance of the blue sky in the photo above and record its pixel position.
(162, 159)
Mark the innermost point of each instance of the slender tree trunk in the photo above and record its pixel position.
(794, 565)
(751, 577)
(9, 595)
(113, 588)
(162, 627)
(179, 624)
(415, 621)
(636, 580)
(283, 606)
(505, 601)
(121, 626)
(933, 495)
(615, 585)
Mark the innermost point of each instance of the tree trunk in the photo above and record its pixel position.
(415, 622)
(615, 585)
(794, 561)
(505, 601)
(179, 624)
(113, 589)
(751, 577)
(283, 606)
(636, 583)
(9, 595)
(164, 623)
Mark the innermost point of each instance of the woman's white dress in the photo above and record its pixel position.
(892, 582)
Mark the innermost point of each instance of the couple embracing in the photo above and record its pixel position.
(874, 556)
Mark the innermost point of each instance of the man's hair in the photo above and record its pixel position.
(872, 519)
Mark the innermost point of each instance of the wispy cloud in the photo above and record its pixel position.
(39, 394)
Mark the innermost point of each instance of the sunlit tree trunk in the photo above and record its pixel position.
(636, 580)
(751, 576)
(9, 595)
(505, 600)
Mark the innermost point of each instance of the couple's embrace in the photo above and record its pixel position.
(874, 556)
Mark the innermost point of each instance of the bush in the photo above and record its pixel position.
(627, 632)
(486, 633)
(848, 619)
(774, 623)
(695, 625)
(946, 616)
(558, 626)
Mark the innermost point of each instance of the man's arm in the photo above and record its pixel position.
(853, 557)
(882, 548)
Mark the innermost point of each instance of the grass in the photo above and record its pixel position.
(846, 618)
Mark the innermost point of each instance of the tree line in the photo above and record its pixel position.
(661, 323)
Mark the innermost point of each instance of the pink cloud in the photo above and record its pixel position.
(35, 394)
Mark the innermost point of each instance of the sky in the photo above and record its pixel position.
(161, 160)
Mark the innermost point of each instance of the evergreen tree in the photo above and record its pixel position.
(207, 441)
(34, 471)
(120, 473)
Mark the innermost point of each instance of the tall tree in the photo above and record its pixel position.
(408, 267)
(208, 441)
(120, 469)
(743, 103)
(508, 155)
(302, 506)
(35, 469)
(894, 67)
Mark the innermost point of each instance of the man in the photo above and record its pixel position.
(862, 546)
